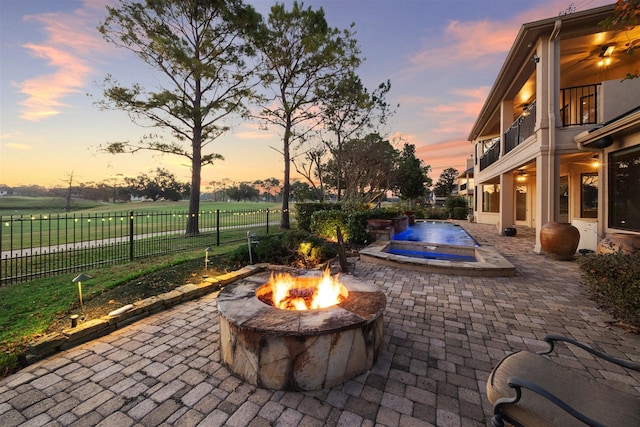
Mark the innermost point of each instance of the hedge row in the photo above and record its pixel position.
(614, 282)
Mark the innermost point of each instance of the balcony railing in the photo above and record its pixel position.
(579, 105)
(491, 155)
(521, 129)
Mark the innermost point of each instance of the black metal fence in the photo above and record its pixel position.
(34, 246)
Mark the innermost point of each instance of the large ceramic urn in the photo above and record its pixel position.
(627, 244)
(559, 240)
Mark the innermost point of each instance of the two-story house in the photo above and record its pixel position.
(465, 182)
(558, 137)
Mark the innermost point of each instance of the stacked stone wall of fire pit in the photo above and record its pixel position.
(300, 350)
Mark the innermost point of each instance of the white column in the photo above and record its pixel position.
(547, 165)
(507, 204)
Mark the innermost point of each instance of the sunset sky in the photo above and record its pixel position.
(441, 56)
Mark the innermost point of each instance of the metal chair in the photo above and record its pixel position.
(548, 394)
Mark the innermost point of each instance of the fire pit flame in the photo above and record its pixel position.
(291, 293)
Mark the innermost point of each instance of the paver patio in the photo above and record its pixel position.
(443, 334)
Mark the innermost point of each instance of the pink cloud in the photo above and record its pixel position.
(456, 117)
(439, 155)
(478, 43)
(71, 44)
(442, 155)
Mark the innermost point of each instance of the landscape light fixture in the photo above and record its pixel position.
(252, 239)
(206, 258)
(79, 279)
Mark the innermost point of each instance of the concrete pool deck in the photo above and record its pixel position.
(443, 334)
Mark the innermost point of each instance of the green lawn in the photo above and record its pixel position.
(27, 309)
(29, 222)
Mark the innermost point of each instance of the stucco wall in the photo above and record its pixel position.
(619, 97)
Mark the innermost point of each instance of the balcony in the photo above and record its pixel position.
(579, 107)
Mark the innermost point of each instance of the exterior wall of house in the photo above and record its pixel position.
(618, 97)
(541, 179)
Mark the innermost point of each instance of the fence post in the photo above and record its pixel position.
(267, 220)
(217, 227)
(130, 235)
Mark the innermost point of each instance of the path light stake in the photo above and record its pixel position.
(252, 239)
(79, 279)
(206, 259)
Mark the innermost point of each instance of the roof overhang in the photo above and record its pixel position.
(518, 60)
(602, 137)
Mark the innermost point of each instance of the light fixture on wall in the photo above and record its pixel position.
(605, 56)
(595, 162)
(525, 110)
(522, 175)
(607, 51)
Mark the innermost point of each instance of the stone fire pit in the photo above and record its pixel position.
(300, 350)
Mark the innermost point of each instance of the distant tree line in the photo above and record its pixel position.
(373, 168)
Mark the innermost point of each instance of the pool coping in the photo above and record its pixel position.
(490, 261)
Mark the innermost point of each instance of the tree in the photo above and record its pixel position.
(244, 192)
(348, 110)
(446, 183)
(198, 48)
(301, 191)
(67, 204)
(626, 15)
(413, 176)
(369, 168)
(301, 54)
(161, 186)
(312, 168)
(268, 184)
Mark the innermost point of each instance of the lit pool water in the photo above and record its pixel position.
(436, 232)
(431, 255)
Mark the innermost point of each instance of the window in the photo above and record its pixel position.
(491, 198)
(589, 195)
(624, 189)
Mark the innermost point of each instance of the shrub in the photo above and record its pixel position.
(352, 222)
(614, 283)
(324, 223)
(452, 203)
(436, 213)
(293, 247)
(304, 212)
(356, 223)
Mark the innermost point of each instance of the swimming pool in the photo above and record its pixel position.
(445, 248)
(438, 232)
